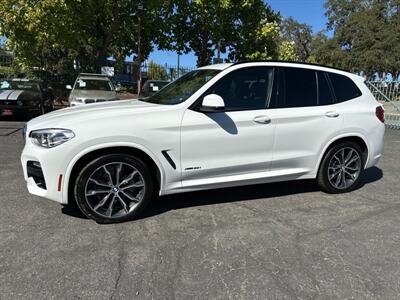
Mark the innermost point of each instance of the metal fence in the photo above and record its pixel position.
(163, 71)
(389, 94)
(126, 74)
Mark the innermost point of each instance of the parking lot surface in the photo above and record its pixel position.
(271, 241)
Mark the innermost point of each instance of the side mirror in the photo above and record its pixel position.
(212, 103)
(68, 87)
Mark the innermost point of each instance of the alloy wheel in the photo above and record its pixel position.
(114, 189)
(344, 168)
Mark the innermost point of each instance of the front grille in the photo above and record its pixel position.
(34, 170)
(88, 101)
(100, 100)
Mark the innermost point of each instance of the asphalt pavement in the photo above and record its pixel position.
(271, 241)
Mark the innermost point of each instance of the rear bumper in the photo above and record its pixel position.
(376, 143)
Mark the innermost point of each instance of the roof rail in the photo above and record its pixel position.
(292, 62)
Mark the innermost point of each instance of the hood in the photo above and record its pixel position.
(83, 94)
(13, 95)
(67, 117)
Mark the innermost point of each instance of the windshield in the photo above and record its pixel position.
(93, 85)
(19, 85)
(182, 88)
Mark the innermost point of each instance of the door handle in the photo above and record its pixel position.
(262, 119)
(332, 114)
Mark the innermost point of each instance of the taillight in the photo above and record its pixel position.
(380, 113)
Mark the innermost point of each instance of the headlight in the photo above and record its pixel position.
(49, 138)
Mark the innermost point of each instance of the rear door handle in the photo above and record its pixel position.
(332, 114)
(262, 119)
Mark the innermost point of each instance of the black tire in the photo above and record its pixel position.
(323, 176)
(82, 180)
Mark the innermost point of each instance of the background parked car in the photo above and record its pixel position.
(92, 88)
(24, 97)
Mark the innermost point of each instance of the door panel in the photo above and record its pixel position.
(225, 144)
(306, 119)
(301, 134)
(233, 145)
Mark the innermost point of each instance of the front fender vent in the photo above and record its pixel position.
(168, 158)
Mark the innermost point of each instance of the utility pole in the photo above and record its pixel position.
(179, 70)
(219, 51)
(139, 53)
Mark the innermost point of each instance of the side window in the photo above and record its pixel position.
(245, 89)
(300, 88)
(344, 87)
(325, 96)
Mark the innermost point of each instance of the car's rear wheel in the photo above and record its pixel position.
(113, 188)
(341, 168)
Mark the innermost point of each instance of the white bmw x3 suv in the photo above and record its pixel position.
(218, 126)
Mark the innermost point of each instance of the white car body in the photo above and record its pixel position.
(206, 155)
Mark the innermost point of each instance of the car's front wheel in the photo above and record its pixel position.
(113, 188)
(341, 168)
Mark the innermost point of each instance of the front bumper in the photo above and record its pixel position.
(52, 165)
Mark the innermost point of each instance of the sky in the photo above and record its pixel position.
(311, 12)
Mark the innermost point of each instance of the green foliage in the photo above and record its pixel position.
(300, 34)
(287, 51)
(6, 72)
(52, 34)
(256, 32)
(366, 35)
(242, 28)
(156, 71)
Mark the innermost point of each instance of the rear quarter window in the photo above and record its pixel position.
(343, 87)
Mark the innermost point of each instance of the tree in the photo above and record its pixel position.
(255, 32)
(51, 34)
(240, 27)
(301, 35)
(156, 71)
(198, 26)
(287, 51)
(366, 35)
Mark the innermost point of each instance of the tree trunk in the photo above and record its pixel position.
(203, 54)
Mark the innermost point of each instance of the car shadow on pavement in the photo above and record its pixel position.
(164, 204)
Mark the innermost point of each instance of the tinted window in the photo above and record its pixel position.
(245, 89)
(325, 96)
(344, 87)
(300, 88)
